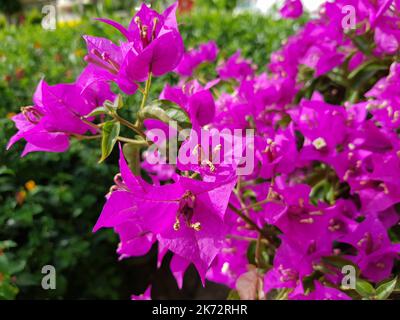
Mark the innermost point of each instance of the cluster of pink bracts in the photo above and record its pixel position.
(208, 216)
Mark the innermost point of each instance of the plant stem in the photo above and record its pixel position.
(238, 193)
(243, 238)
(257, 257)
(135, 142)
(256, 204)
(146, 91)
(140, 88)
(128, 124)
(252, 224)
(245, 218)
(145, 96)
(83, 137)
(93, 125)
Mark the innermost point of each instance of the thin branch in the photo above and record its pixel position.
(93, 125)
(135, 142)
(251, 223)
(146, 91)
(145, 96)
(257, 257)
(243, 238)
(128, 124)
(140, 87)
(83, 137)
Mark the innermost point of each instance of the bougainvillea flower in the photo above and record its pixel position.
(119, 198)
(292, 9)
(134, 241)
(94, 88)
(155, 159)
(278, 154)
(322, 58)
(196, 100)
(386, 88)
(36, 136)
(383, 6)
(316, 120)
(340, 219)
(187, 217)
(270, 93)
(325, 183)
(291, 211)
(106, 58)
(376, 253)
(215, 154)
(231, 112)
(178, 268)
(232, 261)
(292, 262)
(387, 40)
(235, 68)
(206, 52)
(57, 111)
(230, 264)
(154, 43)
(192, 224)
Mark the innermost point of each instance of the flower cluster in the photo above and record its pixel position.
(325, 187)
(58, 112)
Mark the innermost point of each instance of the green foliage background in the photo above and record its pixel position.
(52, 223)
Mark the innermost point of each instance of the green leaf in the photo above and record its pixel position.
(359, 69)
(362, 43)
(6, 171)
(118, 103)
(364, 75)
(364, 288)
(114, 106)
(7, 244)
(132, 154)
(16, 266)
(340, 262)
(110, 133)
(249, 194)
(176, 113)
(153, 112)
(251, 255)
(98, 111)
(8, 291)
(166, 111)
(385, 290)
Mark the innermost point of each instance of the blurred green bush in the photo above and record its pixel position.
(50, 202)
(218, 4)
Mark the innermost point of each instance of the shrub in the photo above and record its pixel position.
(50, 202)
(320, 126)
